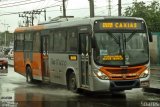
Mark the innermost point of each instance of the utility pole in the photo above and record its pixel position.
(6, 35)
(29, 15)
(27, 18)
(32, 17)
(109, 7)
(91, 4)
(45, 16)
(119, 7)
(64, 8)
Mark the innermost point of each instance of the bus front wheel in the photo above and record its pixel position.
(29, 77)
(72, 85)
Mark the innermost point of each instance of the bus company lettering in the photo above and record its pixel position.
(129, 25)
(58, 62)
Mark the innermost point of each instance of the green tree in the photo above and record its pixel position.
(149, 12)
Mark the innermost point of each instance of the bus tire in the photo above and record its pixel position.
(29, 77)
(72, 84)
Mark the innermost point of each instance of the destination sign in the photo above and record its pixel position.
(114, 58)
(119, 25)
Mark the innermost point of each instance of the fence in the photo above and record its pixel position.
(155, 60)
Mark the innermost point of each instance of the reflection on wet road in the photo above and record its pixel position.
(14, 91)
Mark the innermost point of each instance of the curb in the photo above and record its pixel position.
(152, 90)
(155, 67)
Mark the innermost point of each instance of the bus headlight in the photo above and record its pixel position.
(101, 75)
(145, 73)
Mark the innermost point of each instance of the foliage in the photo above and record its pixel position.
(150, 13)
(9, 38)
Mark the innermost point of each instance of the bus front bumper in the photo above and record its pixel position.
(119, 85)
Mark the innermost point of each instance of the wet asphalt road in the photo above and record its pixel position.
(15, 92)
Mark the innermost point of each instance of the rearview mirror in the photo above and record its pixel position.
(150, 37)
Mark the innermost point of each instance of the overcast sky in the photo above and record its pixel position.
(76, 8)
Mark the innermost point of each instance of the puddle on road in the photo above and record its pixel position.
(58, 98)
(7, 87)
(38, 96)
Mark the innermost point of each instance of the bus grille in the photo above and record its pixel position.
(123, 76)
(124, 83)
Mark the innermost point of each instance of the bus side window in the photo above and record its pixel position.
(45, 45)
(51, 41)
(28, 41)
(36, 43)
(19, 42)
(71, 41)
(59, 41)
(84, 43)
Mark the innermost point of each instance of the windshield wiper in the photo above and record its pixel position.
(117, 40)
(130, 36)
(114, 37)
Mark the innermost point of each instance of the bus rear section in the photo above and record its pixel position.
(28, 56)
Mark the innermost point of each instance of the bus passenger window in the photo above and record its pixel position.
(51, 43)
(36, 43)
(19, 41)
(28, 41)
(84, 43)
(71, 42)
(45, 45)
(59, 42)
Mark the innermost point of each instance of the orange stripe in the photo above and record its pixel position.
(119, 73)
(23, 29)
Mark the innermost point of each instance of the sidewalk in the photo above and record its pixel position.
(10, 62)
(154, 80)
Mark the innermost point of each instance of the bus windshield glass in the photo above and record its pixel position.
(121, 49)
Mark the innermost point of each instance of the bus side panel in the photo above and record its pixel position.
(37, 66)
(19, 64)
(58, 65)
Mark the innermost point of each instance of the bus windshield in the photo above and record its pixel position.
(121, 49)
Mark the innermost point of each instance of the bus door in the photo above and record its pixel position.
(84, 52)
(45, 57)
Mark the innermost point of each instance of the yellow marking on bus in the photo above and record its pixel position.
(107, 25)
(73, 58)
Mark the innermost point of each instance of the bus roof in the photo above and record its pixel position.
(70, 22)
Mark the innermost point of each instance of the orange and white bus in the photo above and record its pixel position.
(95, 54)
